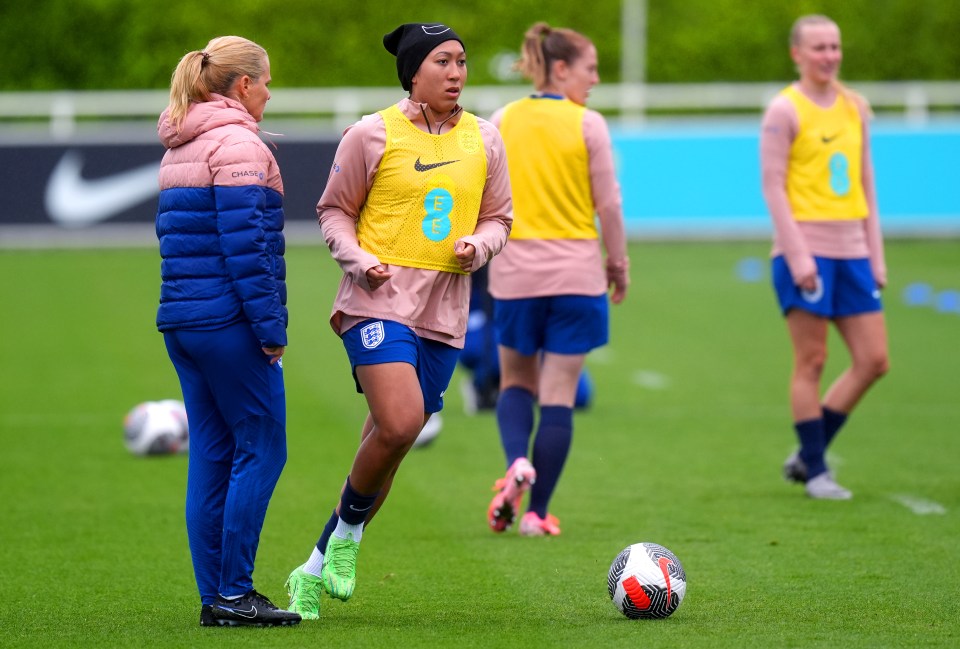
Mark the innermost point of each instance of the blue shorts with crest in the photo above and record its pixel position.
(845, 287)
(374, 342)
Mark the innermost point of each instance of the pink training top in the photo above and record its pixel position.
(433, 303)
(542, 267)
(799, 241)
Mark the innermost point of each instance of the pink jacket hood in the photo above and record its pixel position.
(202, 117)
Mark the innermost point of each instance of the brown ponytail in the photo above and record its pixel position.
(542, 45)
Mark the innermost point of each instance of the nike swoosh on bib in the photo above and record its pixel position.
(73, 201)
(419, 166)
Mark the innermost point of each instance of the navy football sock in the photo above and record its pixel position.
(354, 507)
(812, 446)
(515, 420)
(833, 421)
(551, 446)
(327, 531)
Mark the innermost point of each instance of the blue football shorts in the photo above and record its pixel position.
(845, 287)
(373, 342)
(560, 324)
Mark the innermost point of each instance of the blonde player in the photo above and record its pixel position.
(828, 263)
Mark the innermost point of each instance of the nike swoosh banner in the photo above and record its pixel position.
(88, 183)
(81, 185)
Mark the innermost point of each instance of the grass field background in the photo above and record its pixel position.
(682, 446)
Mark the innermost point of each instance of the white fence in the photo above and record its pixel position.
(62, 110)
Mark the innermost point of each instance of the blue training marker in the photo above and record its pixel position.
(750, 269)
(948, 301)
(918, 294)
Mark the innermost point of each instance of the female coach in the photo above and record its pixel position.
(223, 315)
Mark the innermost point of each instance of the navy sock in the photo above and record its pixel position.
(515, 420)
(833, 421)
(551, 446)
(327, 531)
(354, 507)
(812, 446)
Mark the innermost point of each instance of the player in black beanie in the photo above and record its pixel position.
(436, 208)
(411, 43)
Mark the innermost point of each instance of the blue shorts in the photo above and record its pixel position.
(560, 324)
(373, 342)
(845, 287)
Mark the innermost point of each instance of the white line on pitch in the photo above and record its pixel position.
(651, 380)
(919, 505)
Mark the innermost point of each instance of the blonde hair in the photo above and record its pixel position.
(212, 70)
(796, 36)
(542, 45)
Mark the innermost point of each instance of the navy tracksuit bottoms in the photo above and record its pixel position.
(236, 409)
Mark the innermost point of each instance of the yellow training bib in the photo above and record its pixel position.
(824, 175)
(549, 169)
(425, 195)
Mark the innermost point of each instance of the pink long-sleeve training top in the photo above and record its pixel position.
(799, 241)
(543, 267)
(433, 303)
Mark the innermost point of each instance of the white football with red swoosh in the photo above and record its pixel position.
(646, 580)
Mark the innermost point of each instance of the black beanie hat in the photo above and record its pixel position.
(411, 43)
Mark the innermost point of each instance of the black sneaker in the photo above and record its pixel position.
(206, 616)
(794, 469)
(487, 397)
(253, 609)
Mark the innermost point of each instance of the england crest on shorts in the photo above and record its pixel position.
(372, 334)
(815, 295)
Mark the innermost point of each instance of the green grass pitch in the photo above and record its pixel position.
(682, 447)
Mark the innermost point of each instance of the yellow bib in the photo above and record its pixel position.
(824, 175)
(425, 195)
(549, 169)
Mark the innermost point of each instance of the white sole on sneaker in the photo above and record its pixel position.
(823, 487)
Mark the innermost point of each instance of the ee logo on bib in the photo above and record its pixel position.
(438, 204)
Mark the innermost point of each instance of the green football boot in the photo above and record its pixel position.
(304, 591)
(339, 572)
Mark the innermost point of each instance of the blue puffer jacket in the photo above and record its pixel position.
(220, 225)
